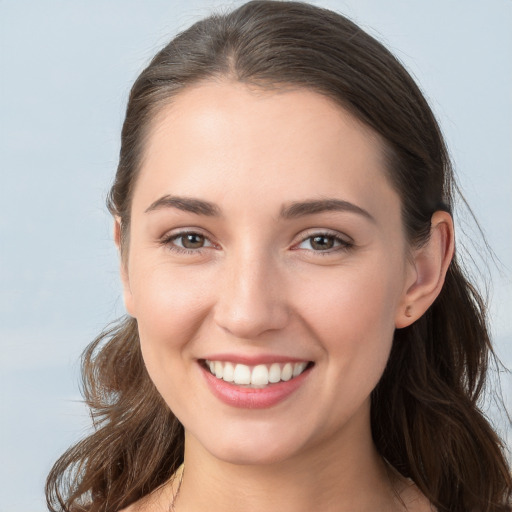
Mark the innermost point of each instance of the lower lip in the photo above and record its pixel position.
(253, 398)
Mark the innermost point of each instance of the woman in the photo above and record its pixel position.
(301, 336)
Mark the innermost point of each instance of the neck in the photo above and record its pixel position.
(350, 477)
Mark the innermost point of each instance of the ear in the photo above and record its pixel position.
(123, 260)
(429, 265)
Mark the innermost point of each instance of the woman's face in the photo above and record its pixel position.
(265, 242)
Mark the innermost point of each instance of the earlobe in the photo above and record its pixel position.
(430, 264)
(125, 281)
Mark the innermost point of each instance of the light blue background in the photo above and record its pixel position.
(66, 68)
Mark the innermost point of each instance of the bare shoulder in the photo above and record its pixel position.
(146, 504)
(157, 501)
(413, 500)
(142, 505)
(138, 506)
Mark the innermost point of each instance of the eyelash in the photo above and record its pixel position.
(168, 242)
(344, 245)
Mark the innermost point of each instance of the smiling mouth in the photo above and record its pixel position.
(258, 376)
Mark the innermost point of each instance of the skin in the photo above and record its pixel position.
(259, 286)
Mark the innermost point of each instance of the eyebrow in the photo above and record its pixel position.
(186, 204)
(302, 208)
(293, 210)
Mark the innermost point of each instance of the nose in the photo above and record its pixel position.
(252, 298)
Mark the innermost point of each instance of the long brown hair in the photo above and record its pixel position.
(425, 416)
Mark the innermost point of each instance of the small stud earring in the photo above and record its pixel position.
(408, 313)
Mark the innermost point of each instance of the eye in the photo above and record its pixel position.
(190, 240)
(186, 242)
(324, 242)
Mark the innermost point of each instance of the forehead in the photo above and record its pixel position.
(226, 140)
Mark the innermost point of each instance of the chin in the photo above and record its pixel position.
(247, 454)
(252, 446)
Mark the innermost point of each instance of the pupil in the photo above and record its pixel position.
(322, 242)
(193, 241)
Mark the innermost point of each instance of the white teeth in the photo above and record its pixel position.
(287, 372)
(274, 374)
(257, 376)
(219, 369)
(298, 368)
(229, 372)
(242, 374)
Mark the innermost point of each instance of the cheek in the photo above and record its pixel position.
(352, 313)
(351, 298)
(170, 305)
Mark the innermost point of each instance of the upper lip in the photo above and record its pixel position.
(253, 360)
